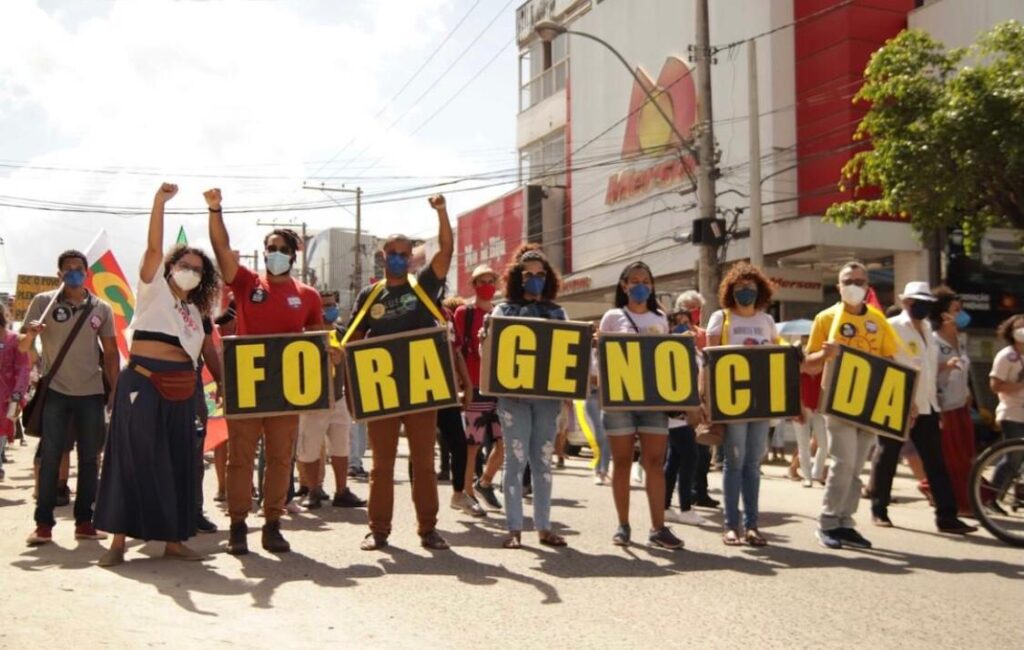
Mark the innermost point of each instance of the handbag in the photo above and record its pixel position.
(32, 414)
(709, 435)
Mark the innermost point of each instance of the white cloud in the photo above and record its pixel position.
(220, 88)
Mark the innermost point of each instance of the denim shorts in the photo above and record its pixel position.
(627, 423)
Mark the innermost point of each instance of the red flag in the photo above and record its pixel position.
(872, 299)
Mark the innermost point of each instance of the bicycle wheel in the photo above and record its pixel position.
(997, 491)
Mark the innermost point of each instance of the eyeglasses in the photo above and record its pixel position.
(186, 267)
(542, 275)
(857, 282)
(279, 249)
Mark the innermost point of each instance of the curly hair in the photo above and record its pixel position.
(622, 299)
(1005, 329)
(205, 294)
(514, 274)
(451, 303)
(740, 272)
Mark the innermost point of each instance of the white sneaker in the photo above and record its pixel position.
(294, 508)
(685, 517)
(600, 479)
(467, 504)
(637, 474)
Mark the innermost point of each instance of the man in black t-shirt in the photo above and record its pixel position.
(398, 308)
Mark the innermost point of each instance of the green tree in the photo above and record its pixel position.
(946, 131)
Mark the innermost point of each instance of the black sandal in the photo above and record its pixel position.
(547, 538)
(755, 538)
(434, 541)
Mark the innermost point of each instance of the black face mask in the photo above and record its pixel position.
(919, 310)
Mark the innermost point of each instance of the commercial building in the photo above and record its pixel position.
(602, 184)
(331, 259)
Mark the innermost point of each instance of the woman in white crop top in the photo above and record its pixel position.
(148, 487)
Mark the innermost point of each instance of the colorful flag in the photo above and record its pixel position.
(107, 280)
(182, 239)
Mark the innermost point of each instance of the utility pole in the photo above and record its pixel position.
(756, 241)
(357, 273)
(708, 276)
(305, 241)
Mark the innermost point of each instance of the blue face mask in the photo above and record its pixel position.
(745, 296)
(278, 263)
(534, 285)
(331, 314)
(639, 293)
(397, 264)
(74, 278)
(962, 320)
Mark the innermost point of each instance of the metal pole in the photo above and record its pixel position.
(707, 280)
(359, 244)
(305, 247)
(756, 241)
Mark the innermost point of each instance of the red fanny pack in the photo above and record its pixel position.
(173, 385)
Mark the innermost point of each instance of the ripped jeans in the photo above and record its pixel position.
(529, 430)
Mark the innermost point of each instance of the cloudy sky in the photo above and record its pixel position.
(100, 101)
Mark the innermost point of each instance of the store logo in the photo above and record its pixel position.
(648, 133)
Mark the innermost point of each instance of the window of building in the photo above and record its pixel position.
(544, 160)
(543, 69)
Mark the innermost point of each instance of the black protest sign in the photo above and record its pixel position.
(276, 374)
(753, 382)
(535, 357)
(400, 373)
(643, 372)
(870, 392)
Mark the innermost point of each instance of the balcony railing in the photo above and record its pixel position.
(543, 85)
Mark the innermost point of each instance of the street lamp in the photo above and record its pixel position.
(548, 30)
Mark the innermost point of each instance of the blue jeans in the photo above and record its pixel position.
(63, 416)
(744, 446)
(1010, 462)
(357, 445)
(593, 406)
(529, 429)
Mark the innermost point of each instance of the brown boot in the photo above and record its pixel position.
(237, 542)
(272, 539)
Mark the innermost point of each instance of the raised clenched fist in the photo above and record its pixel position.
(166, 192)
(437, 202)
(212, 197)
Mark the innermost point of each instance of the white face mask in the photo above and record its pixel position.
(852, 295)
(186, 279)
(1018, 335)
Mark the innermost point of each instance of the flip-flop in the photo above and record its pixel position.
(512, 542)
(730, 538)
(755, 538)
(552, 539)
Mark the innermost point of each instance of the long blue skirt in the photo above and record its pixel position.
(148, 487)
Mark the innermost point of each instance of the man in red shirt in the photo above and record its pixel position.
(274, 303)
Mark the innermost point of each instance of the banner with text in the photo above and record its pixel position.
(29, 286)
(400, 373)
(641, 372)
(753, 382)
(278, 374)
(535, 357)
(870, 392)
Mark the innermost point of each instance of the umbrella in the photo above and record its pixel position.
(801, 327)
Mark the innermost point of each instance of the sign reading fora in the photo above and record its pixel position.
(276, 374)
(753, 382)
(870, 392)
(641, 372)
(400, 373)
(534, 357)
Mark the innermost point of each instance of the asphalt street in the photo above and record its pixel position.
(916, 589)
